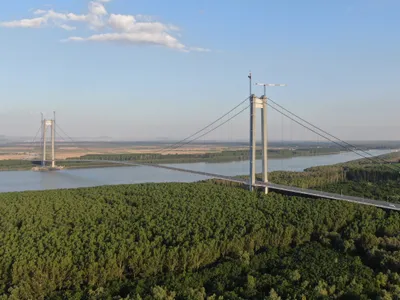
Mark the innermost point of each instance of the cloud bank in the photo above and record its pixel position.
(118, 28)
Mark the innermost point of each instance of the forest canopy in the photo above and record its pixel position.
(193, 241)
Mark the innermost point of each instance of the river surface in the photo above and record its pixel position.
(12, 181)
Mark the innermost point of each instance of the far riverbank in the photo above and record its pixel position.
(226, 156)
(14, 181)
(159, 158)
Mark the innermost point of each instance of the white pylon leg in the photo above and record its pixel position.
(253, 113)
(44, 144)
(264, 128)
(53, 133)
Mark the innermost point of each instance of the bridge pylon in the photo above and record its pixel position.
(258, 103)
(46, 124)
(255, 103)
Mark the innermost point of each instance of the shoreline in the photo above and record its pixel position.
(17, 165)
(178, 160)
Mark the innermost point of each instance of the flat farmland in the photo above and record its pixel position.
(26, 151)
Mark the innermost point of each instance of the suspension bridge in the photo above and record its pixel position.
(255, 103)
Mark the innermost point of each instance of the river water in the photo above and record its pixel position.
(28, 180)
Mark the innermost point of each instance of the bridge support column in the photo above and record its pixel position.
(264, 128)
(253, 114)
(256, 103)
(44, 137)
(53, 136)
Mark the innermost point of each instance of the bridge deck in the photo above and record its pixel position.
(325, 195)
(273, 186)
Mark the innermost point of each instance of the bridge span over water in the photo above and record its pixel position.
(256, 103)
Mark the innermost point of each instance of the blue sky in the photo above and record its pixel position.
(147, 69)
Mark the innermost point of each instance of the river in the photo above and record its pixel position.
(13, 181)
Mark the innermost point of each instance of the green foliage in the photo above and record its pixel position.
(15, 165)
(193, 241)
(273, 295)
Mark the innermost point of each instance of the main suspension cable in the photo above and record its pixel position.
(329, 139)
(327, 133)
(213, 129)
(162, 150)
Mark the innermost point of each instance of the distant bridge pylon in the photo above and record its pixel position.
(45, 125)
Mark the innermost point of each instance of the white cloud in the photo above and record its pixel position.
(39, 12)
(74, 17)
(127, 23)
(67, 27)
(129, 29)
(55, 19)
(95, 16)
(52, 15)
(121, 22)
(198, 49)
(144, 18)
(25, 23)
(73, 38)
(138, 38)
(97, 9)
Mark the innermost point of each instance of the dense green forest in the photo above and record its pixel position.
(205, 240)
(194, 241)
